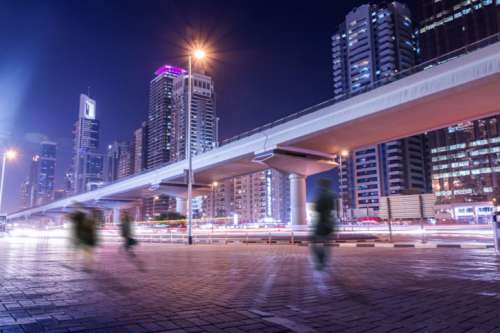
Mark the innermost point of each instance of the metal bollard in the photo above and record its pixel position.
(292, 237)
(269, 238)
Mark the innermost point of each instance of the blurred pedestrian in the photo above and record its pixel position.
(77, 218)
(84, 233)
(88, 239)
(326, 208)
(126, 232)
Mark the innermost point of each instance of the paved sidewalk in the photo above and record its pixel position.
(246, 288)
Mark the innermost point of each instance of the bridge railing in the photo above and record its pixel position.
(376, 84)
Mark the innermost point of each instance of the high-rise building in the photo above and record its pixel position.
(160, 117)
(374, 43)
(29, 186)
(39, 185)
(162, 139)
(47, 172)
(125, 162)
(119, 161)
(139, 146)
(259, 197)
(465, 157)
(203, 116)
(86, 172)
(447, 25)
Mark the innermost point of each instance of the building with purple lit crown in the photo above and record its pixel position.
(160, 131)
(160, 117)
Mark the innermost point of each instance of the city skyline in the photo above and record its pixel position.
(119, 81)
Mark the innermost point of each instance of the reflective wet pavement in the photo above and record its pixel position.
(246, 288)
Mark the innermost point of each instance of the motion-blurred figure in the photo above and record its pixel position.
(77, 218)
(126, 232)
(85, 234)
(326, 207)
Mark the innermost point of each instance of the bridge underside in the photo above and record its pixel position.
(467, 102)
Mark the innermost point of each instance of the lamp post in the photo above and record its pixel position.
(197, 54)
(154, 203)
(343, 153)
(9, 154)
(214, 188)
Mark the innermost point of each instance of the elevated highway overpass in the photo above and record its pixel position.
(461, 89)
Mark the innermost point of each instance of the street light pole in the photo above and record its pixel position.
(4, 159)
(189, 156)
(198, 54)
(7, 155)
(154, 205)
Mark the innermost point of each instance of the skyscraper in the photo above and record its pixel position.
(160, 117)
(203, 116)
(464, 157)
(118, 161)
(139, 146)
(374, 43)
(47, 172)
(86, 172)
(39, 185)
(29, 186)
(447, 25)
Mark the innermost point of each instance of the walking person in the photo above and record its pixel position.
(86, 235)
(126, 232)
(326, 207)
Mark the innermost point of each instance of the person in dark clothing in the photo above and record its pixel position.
(84, 234)
(326, 207)
(126, 231)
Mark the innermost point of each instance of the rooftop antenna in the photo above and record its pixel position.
(88, 91)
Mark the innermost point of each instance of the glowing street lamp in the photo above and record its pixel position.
(214, 188)
(155, 198)
(9, 154)
(198, 54)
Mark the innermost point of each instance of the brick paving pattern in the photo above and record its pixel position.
(246, 288)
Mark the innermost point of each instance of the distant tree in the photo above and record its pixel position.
(170, 216)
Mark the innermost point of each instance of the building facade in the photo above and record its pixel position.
(38, 187)
(86, 172)
(119, 161)
(261, 197)
(203, 117)
(447, 25)
(373, 44)
(160, 117)
(466, 162)
(47, 172)
(139, 147)
(464, 157)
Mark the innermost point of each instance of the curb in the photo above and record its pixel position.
(360, 244)
(417, 245)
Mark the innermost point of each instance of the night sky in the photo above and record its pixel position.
(270, 59)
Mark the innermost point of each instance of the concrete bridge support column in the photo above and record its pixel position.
(298, 200)
(116, 215)
(181, 205)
